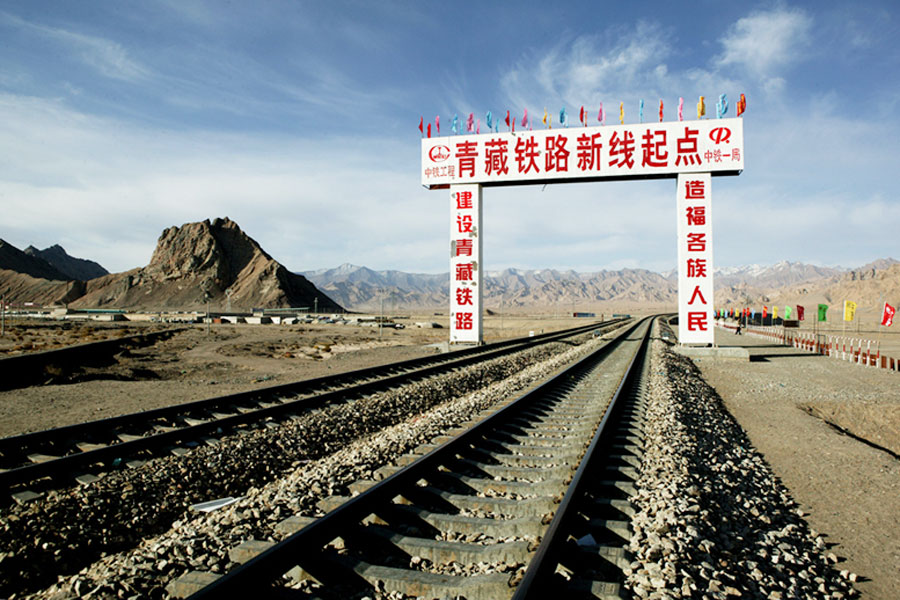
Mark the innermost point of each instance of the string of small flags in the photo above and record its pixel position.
(492, 124)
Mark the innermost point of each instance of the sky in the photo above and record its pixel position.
(299, 121)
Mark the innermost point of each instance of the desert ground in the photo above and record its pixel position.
(194, 364)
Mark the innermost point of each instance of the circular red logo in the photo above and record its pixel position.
(439, 153)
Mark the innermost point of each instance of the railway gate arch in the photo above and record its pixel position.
(691, 152)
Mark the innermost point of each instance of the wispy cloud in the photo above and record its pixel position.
(618, 64)
(765, 42)
(107, 57)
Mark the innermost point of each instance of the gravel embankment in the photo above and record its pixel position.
(713, 520)
(280, 472)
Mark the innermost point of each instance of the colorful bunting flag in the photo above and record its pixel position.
(701, 108)
(641, 111)
(429, 130)
(823, 308)
(660, 110)
(582, 117)
(525, 119)
(437, 124)
(421, 121)
(563, 117)
(544, 120)
(600, 114)
(887, 315)
(849, 310)
(681, 109)
(489, 119)
(800, 311)
(507, 120)
(454, 125)
(622, 113)
(470, 123)
(741, 105)
(478, 126)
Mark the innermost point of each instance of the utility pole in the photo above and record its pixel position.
(208, 320)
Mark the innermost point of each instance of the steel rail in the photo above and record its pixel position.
(534, 584)
(300, 548)
(71, 463)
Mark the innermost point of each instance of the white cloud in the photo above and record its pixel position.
(618, 65)
(765, 42)
(310, 203)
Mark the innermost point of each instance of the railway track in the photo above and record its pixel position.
(530, 502)
(33, 462)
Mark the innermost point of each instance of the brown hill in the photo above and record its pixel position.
(71, 267)
(13, 259)
(199, 258)
(868, 286)
(190, 262)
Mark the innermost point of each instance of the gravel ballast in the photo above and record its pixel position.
(713, 520)
(327, 450)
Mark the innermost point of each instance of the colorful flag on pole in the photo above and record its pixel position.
(765, 312)
(454, 125)
(525, 119)
(563, 117)
(721, 106)
(477, 126)
(622, 113)
(787, 312)
(681, 109)
(437, 124)
(429, 130)
(470, 123)
(489, 120)
(887, 315)
(701, 108)
(800, 310)
(641, 111)
(660, 110)
(774, 313)
(600, 115)
(544, 120)
(741, 105)
(823, 308)
(849, 310)
(421, 121)
(507, 120)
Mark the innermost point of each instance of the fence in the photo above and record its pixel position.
(855, 350)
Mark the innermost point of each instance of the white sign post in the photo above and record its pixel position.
(689, 150)
(466, 272)
(695, 259)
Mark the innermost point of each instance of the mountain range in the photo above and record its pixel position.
(216, 259)
(361, 288)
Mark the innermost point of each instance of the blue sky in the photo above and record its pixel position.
(299, 121)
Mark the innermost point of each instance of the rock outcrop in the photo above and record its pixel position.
(214, 260)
